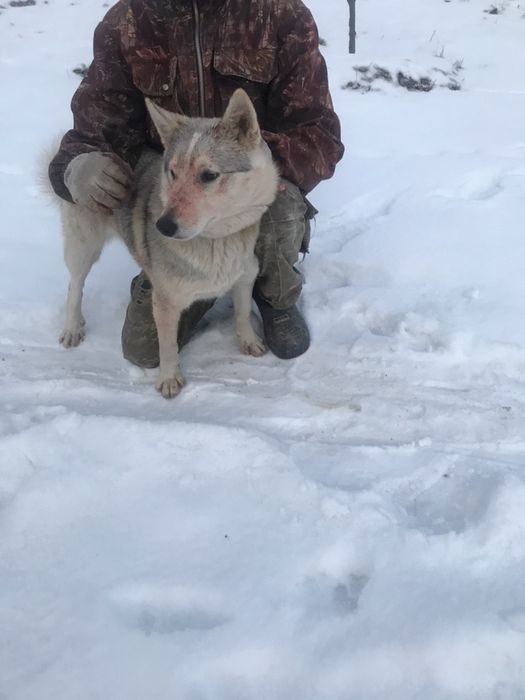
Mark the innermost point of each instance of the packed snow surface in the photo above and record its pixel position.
(346, 526)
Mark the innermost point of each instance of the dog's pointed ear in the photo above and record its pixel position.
(165, 122)
(240, 119)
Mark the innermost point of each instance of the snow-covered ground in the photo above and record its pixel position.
(346, 526)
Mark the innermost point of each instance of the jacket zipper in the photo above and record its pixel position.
(198, 54)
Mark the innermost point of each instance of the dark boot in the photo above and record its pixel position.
(285, 330)
(140, 343)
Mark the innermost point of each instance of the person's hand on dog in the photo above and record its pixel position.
(98, 181)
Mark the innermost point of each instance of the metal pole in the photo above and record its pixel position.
(351, 47)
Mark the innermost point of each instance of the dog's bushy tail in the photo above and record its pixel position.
(42, 170)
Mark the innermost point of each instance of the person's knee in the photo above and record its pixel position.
(289, 203)
(285, 221)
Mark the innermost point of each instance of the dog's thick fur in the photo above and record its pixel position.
(191, 224)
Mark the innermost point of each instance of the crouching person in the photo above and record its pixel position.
(189, 57)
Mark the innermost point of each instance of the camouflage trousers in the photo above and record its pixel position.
(284, 234)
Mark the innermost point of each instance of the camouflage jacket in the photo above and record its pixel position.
(189, 56)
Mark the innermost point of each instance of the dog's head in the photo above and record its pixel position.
(218, 175)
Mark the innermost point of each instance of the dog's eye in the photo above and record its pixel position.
(208, 176)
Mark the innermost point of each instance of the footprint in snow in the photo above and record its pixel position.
(453, 503)
(164, 609)
(346, 595)
(326, 596)
(477, 185)
(410, 329)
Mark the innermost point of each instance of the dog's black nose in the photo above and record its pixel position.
(167, 225)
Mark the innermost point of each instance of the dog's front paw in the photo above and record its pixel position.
(170, 387)
(72, 338)
(252, 345)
